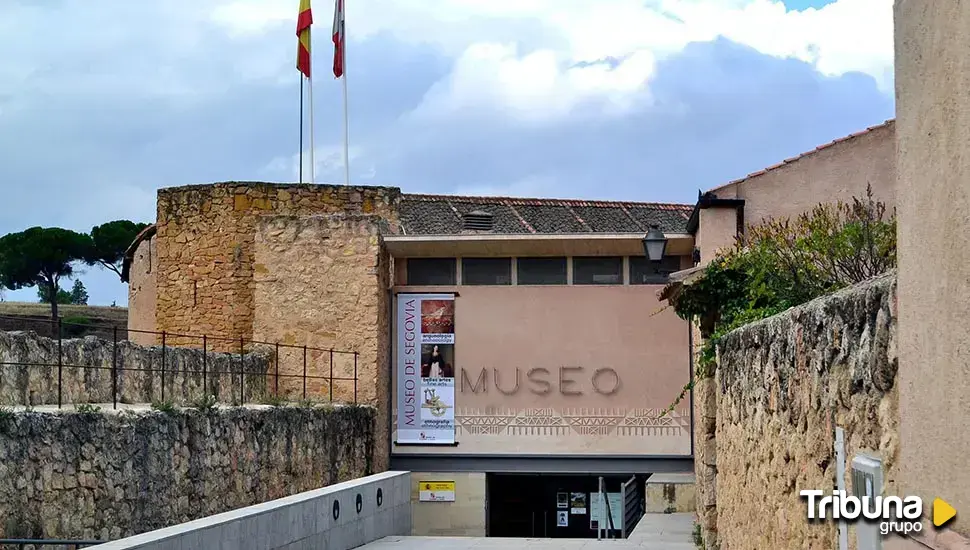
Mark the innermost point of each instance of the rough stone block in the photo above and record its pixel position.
(152, 470)
(785, 383)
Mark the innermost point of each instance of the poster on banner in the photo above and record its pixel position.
(562, 518)
(426, 369)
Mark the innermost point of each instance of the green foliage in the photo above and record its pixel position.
(87, 408)
(44, 295)
(780, 264)
(168, 407)
(307, 403)
(6, 414)
(42, 256)
(75, 326)
(206, 403)
(111, 240)
(698, 537)
(79, 294)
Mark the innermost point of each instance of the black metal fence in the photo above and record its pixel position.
(311, 372)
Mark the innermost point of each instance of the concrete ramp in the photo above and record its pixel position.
(654, 532)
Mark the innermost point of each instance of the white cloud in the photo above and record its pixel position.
(492, 68)
(328, 163)
(538, 86)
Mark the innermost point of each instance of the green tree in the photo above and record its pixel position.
(43, 294)
(111, 241)
(79, 294)
(42, 256)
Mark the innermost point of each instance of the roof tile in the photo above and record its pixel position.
(426, 215)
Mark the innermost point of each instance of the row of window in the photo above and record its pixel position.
(538, 271)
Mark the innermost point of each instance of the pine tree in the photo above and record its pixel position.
(79, 294)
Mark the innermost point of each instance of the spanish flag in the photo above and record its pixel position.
(303, 22)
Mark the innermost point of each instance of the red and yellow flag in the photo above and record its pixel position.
(303, 22)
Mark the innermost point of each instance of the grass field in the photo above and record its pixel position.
(104, 314)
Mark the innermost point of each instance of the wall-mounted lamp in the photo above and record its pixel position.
(654, 244)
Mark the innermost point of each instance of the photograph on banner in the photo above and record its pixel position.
(438, 403)
(437, 361)
(438, 321)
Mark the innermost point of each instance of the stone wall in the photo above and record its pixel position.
(142, 287)
(109, 475)
(33, 379)
(322, 281)
(705, 449)
(785, 383)
(205, 244)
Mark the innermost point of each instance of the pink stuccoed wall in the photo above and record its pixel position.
(501, 329)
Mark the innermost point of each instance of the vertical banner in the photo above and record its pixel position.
(426, 369)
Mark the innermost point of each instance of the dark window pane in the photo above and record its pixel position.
(486, 271)
(431, 271)
(597, 271)
(541, 271)
(645, 272)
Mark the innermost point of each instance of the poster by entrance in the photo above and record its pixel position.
(426, 369)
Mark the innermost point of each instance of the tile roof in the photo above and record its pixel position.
(442, 215)
(787, 161)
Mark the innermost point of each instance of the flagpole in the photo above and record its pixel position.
(346, 110)
(301, 128)
(312, 166)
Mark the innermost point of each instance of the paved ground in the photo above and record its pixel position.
(654, 532)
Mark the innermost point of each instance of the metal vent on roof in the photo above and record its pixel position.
(477, 220)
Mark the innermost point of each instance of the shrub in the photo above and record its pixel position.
(307, 403)
(87, 408)
(783, 263)
(75, 325)
(206, 403)
(168, 406)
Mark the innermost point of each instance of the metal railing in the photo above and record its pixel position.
(36, 543)
(315, 365)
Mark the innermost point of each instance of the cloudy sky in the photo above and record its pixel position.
(104, 101)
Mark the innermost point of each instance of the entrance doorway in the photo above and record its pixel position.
(550, 506)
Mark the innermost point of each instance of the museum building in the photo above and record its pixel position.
(516, 349)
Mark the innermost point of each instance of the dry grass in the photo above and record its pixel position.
(112, 315)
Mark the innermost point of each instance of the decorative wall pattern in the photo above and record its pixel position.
(639, 422)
